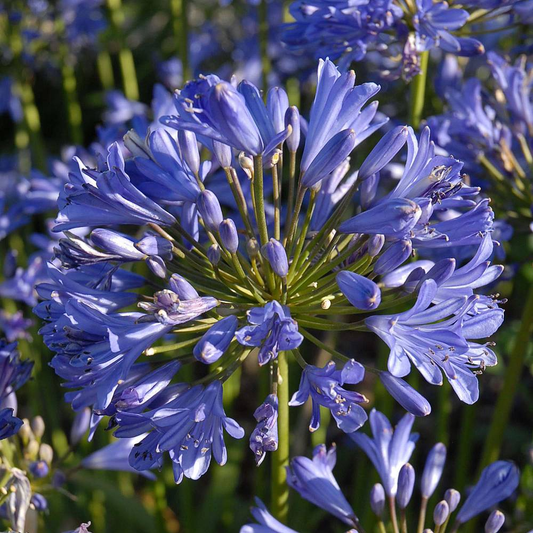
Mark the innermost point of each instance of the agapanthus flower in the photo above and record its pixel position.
(369, 28)
(324, 385)
(251, 258)
(489, 125)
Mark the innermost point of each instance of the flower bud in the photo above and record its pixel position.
(182, 287)
(396, 254)
(453, 497)
(368, 190)
(39, 502)
(46, 453)
(409, 398)
(375, 244)
(494, 522)
(433, 470)
(209, 209)
(292, 118)
(406, 483)
(441, 513)
(274, 252)
(393, 218)
(361, 292)
(213, 254)
(497, 482)
(37, 426)
(337, 149)
(222, 154)
(229, 235)
(32, 448)
(80, 425)
(277, 105)
(39, 469)
(377, 499)
(216, 340)
(252, 248)
(189, 149)
(246, 163)
(388, 146)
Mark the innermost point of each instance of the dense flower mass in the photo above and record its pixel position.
(241, 280)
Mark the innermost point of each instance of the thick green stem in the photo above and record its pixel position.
(280, 458)
(418, 92)
(504, 403)
(260, 215)
(71, 95)
(125, 56)
(180, 24)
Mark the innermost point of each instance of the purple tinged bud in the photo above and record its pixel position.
(222, 154)
(433, 470)
(39, 502)
(497, 482)
(377, 499)
(453, 497)
(213, 254)
(361, 292)
(410, 399)
(189, 149)
(395, 255)
(216, 340)
(182, 288)
(406, 484)
(229, 235)
(210, 210)
(494, 522)
(80, 425)
(292, 118)
(375, 244)
(155, 245)
(389, 145)
(337, 149)
(368, 190)
(441, 513)
(391, 218)
(274, 252)
(39, 469)
(277, 105)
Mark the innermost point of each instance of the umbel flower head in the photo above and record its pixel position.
(251, 251)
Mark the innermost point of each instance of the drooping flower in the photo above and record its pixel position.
(324, 385)
(314, 481)
(264, 437)
(266, 522)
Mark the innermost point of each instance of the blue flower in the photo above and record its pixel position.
(9, 424)
(272, 330)
(108, 197)
(266, 522)
(497, 482)
(264, 437)
(189, 427)
(324, 385)
(314, 481)
(433, 23)
(390, 449)
(422, 336)
(13, 371)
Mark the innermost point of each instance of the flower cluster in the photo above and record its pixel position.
(492, 128)
(390, 450)
(234, 280)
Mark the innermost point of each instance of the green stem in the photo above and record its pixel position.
(105, 70)
(73, 104)
(504, 403)
(394, 519)
(125, 56)
(263, 41)
(422, 515)
(277, 202)
(259, 199)
(180, 24)
(418, 92)
(280, 458)
(465, 448)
